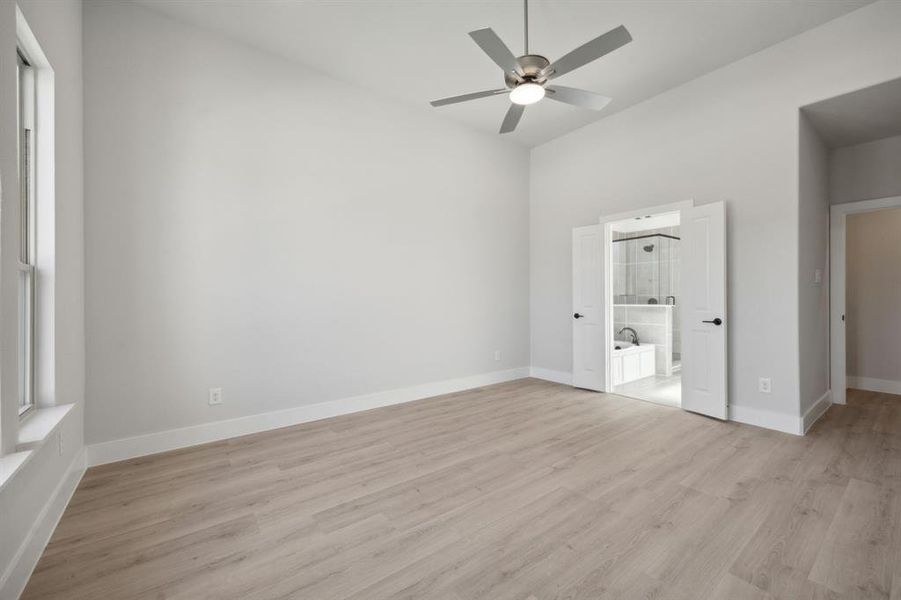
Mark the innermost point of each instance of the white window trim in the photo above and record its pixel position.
(44, 263)
(27, 153)
(45, 208)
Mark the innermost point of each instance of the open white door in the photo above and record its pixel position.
(589, 361)
(704, 322)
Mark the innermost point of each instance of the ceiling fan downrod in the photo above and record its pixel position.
(525, 12)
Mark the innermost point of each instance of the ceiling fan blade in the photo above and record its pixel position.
(577, 97)
(593, 50)
(514, 114)
(496, 50)
(467, 97)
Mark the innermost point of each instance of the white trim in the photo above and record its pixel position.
(10, 464)
(607, 298)
(819, 408)
(837, 249)
(45, 208)
(650, 210)
(862, 206)
(564, 377)
(740, 414)
(766, 419)
(34, 429)
(40, 424)
(13, 581)
(871, 384)
(172, 439)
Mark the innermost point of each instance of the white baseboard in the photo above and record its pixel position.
(563, 377)
(871, 384)
(741, 414)
(172, 439)
(819, 408)
(13, 581)
(766, 419)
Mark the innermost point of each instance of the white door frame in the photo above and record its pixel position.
(607, 222)
(837, 265)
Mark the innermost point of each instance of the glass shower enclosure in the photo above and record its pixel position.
(646, 267)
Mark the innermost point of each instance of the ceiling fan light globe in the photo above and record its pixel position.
(527, 93)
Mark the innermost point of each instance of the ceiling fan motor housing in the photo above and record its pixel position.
(526, 77)
(532, 66)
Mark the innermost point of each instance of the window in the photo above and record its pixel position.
(27, 293)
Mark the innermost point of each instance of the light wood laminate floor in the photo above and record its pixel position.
(526, 491)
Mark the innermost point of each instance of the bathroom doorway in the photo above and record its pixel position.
(678, 294)
(645, 299)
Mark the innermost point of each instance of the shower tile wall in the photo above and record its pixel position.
(639, 276)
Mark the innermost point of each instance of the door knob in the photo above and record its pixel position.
(716, 321)
(577, 316)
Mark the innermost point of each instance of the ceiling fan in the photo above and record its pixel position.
(527, 76)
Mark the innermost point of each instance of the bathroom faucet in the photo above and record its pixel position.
(633, 332)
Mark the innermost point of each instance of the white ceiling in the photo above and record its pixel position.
(862, 116)
(416, 51)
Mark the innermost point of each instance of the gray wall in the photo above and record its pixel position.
(730, 135)
(813, 243)
(873, 295)
(866, 171)
(257, 226)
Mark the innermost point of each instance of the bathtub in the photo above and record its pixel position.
(630, 362)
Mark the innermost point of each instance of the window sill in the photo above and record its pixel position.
(12, 464)
(35, 428)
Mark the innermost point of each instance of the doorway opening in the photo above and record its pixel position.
(864, 297)
(678, 294)
(849, 190)
(644, 303)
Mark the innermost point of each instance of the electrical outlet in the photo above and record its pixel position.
(818, 276)
(497, 355)
(765, 385)
(215, 396)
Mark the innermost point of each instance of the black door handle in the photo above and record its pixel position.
(577, 316)
(716, 321)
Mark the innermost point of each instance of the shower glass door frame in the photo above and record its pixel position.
(658, 244)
